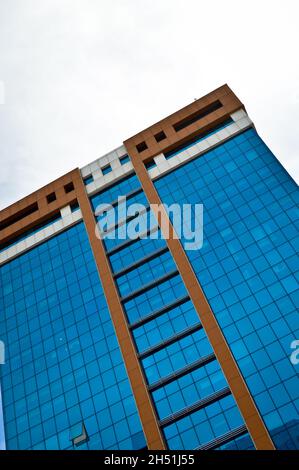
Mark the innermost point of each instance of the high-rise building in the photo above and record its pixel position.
(132, 342)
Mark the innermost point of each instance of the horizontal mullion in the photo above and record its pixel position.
(173, 339)
(225, 438)
(122, 222)
(140, 262)
(196, 406)
(149, 286)
(181, 372)
(129, 242)
(132, 193)
(158, 313)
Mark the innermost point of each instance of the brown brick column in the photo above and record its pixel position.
(147, 413)
(252, 418)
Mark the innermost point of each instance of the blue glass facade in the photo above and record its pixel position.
(248, 267)
(63, 365)
(64, 375)
(181, 371)
(203, 426)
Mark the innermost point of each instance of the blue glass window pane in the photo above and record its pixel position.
(67, 367)
(247, 266)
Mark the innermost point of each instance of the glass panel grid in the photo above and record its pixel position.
(165, 326)
(248, 266)
(63, 363)
(204, 425)
(187, 390)
(145, 274)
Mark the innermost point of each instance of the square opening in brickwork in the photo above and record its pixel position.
(51, 198)
(69, 187)
(88, 179)
(74, 206)
(141, 147)
(160, 136)
(124, 159)
(150, 164)
(106, 169)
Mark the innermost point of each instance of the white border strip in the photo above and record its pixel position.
(101, 181)
(68, 219)
(163, 166)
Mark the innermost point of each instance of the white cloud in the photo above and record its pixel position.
(82, 76)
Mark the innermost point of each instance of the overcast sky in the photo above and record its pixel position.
(80, 76)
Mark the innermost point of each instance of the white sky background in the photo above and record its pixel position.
(80, 76)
